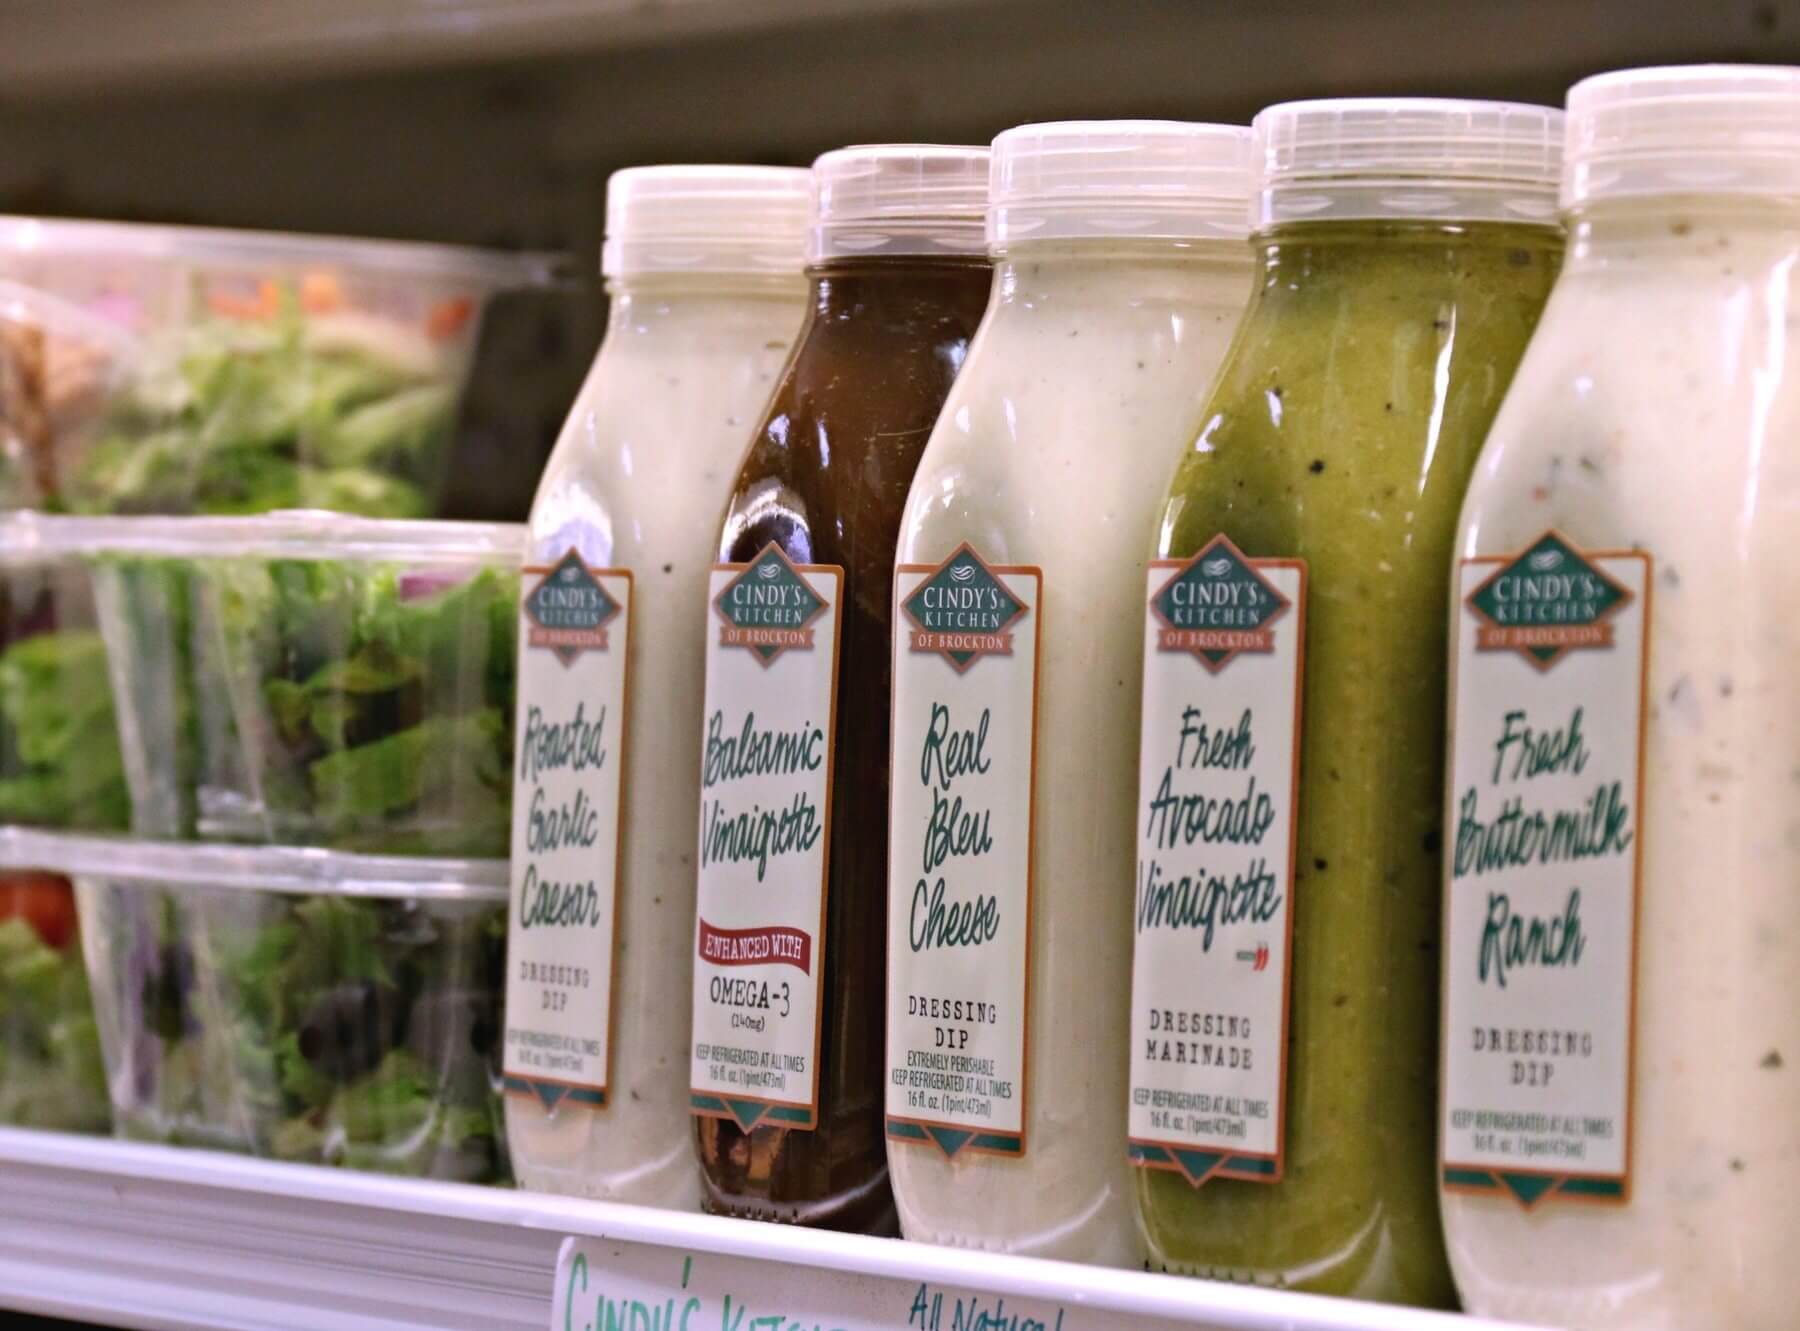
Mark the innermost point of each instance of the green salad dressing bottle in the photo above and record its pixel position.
(1284, 1023)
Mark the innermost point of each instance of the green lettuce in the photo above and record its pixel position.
(232, 416)
(51, 1074)
(60, 761)
(365, 1032)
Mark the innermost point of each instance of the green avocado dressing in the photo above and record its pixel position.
(1343, 431)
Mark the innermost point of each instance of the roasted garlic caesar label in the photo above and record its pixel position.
(765, 814)
(960, 854)
(1546, 785)
(574, 625)
(1224, 639)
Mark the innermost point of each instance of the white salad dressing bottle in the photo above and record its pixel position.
(703, 264)
(1122, 271)
(1621, 1105)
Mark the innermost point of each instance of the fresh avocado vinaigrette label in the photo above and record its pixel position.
(959, 853)
(1224, 643)
(1540, 927)
(574, 622)
(765, 815)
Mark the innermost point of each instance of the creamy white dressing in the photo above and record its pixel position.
(1054, 451)
(1658, 409)
(638, 481)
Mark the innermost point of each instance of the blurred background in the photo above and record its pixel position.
(495, 122)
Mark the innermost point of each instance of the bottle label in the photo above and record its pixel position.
(959, 869)
(1218, 776)
(1540, 918)
(765, 818)
(574, 623)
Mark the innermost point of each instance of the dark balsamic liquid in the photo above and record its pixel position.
(826, 479)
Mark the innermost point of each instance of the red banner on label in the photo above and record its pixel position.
(1215, 640)
(592, 639)
(766, 946)
(1524, 637)
(732, 636)
(989, 644)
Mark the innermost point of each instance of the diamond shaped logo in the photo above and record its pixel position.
(963, 612)
(1218, 606)
(1546, 602)
(570, 610)
(769, 608)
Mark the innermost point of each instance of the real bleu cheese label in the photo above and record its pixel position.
(1545, 788)
(574, 627)
(765, 814)
(1224, 642)
(966, 637)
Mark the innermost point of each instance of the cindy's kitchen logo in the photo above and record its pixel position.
(963, 612)
(1217, 606)
(1545, 603)
(569, 611)
(769, 608)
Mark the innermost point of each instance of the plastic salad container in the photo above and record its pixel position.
(60, 760)
(295, 1004)
(242, 371)
(312, 679)
(50, 1070)
(59, 367)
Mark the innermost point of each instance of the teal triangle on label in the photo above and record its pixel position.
(950, 1140)
(1528, 1187)
(746, 1112)
(550, 1094)
(1197, 1164)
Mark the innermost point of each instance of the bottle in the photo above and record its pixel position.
(1122, 269)
(703, 264)
(790, 939)
(1621, 982)
(1284, 1022)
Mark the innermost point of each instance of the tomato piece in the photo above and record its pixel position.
(45, 901)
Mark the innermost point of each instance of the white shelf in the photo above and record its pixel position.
(147, 1237)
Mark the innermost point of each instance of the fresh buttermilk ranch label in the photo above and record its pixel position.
(1540, 924)
(765, 811)
(1224, 638)
(959, 853)
(573, 625)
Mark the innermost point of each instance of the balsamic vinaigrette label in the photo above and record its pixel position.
(765, 814)
(574, 622)
(1540, 928)
(1224, 642)
(959, 853)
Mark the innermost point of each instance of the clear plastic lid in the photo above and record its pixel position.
(706, 219)
(288, 869)
(1150, 179)
(899, 198)
(1434, 159)
(291, 534)
(1684, 129)
(203, 245)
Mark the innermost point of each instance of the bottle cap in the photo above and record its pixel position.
(1154, 179)
(1684, 129)
(706, 219)
(899, 198)
(1425, 158)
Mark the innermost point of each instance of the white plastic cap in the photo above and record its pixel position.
(706, 219)
(1685, 129)
(899, 198)
(1433, 159)
(1155, 179)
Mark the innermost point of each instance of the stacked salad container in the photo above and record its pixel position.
(255, 706)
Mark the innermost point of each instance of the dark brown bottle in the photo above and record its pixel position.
(825, 481)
